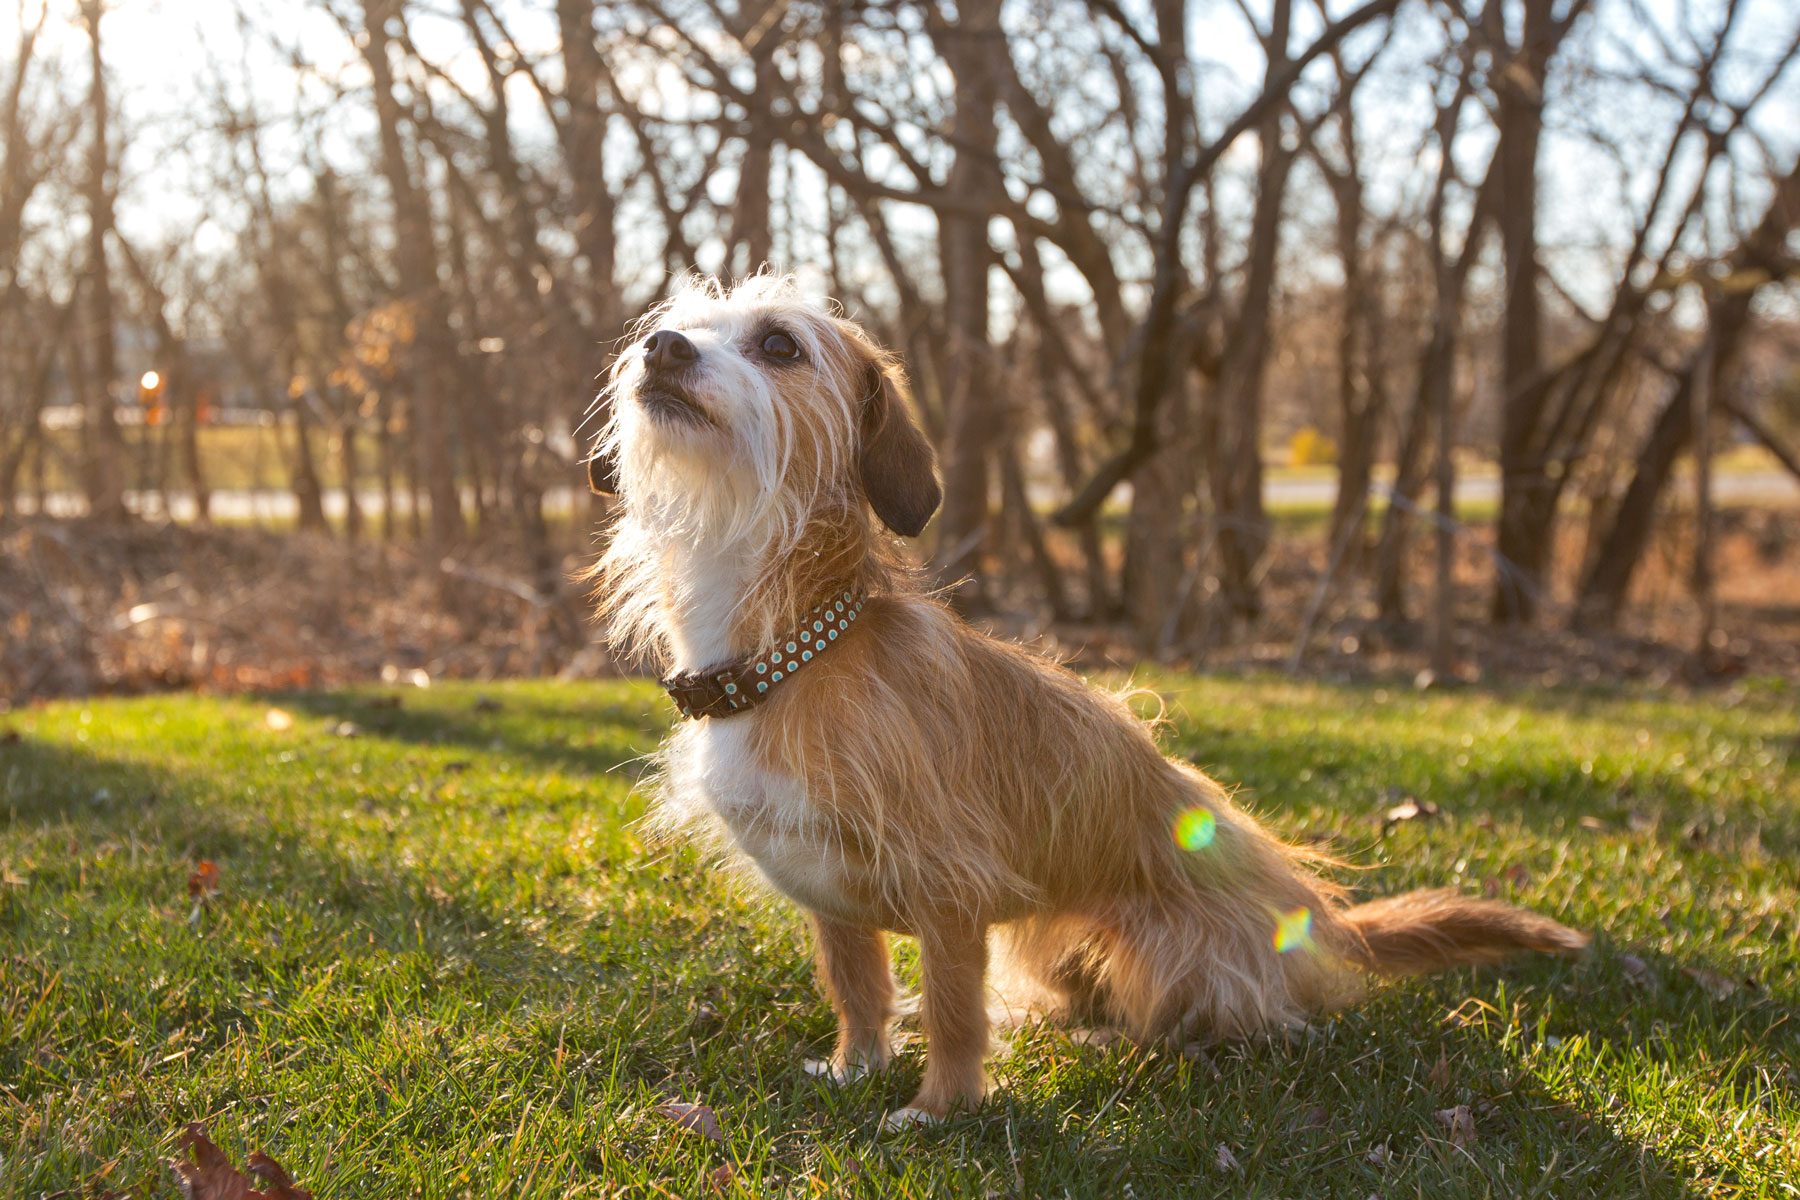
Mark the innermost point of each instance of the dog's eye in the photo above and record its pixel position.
(780, 346)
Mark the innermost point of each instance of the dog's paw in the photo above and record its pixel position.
(832, 1071)
(908, 1118)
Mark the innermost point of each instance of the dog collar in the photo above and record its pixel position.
(734, 687)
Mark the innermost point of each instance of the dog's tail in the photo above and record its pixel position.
(1432, 930)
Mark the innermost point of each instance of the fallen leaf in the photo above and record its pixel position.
(1225, 1160)
(1439, 1078)
(278, 721)
(1592, 824)
(720, 1178)
(1379, 1155)
(1316, 1117)
(695, 1118)
(203, 881)
(1460, 1121)
(204, 1172)
(280, 1185)
(1711, 982)
(1517, 876)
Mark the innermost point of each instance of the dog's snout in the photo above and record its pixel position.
(667, 350)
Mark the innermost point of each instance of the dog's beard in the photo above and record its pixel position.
(722, 459)
(671, 403)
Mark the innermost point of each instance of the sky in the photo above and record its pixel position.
(170, 58)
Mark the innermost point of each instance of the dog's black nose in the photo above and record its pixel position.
(667, 350)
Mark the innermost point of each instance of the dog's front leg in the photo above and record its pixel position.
(955, 1017)
(858, 976)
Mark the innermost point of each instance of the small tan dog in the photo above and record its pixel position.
(891, 769)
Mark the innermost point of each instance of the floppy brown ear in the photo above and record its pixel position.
(898, 467)
(603, 473)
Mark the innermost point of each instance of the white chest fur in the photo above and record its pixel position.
(711, 766)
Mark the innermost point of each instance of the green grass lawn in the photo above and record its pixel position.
(442, 962)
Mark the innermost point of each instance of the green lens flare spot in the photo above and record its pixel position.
(1195, 829)
(1293, 930)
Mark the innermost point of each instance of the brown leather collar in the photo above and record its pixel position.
(730, 688)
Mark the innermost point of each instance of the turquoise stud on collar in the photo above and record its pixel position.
(715, 691)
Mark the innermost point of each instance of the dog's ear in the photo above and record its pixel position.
(603, 473)
(898, 467)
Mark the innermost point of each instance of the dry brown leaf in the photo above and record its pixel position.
(1460, 1121)
(1379, 1155)
(720, 1179)
(203, 881)
(1439, 1078)
(695, 1118)
(204, 1172)
(1718, 986)
(278, 1184)
(1225, 1160)
(1637, 970)
(278, 720)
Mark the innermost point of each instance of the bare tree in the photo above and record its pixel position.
(105, 446)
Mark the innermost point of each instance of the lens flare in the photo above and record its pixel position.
(1195, 829)
(1293, 930)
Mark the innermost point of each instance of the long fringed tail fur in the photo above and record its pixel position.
(1431, 930)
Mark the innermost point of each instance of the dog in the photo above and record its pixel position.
(892, 770)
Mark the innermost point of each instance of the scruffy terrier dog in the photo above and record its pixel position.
(891, 769)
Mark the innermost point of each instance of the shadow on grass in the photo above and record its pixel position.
(1546, 792)
(515, 725)
(651, 963)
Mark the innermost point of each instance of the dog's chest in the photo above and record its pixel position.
(768, 813)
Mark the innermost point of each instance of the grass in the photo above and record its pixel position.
(443, 964)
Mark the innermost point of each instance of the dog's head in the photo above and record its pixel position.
(752, 409)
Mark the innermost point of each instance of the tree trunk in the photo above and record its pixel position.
(304, 471)
(584, 144)
(1529, 493)
(975, 421)
(1237, 474)
(105, 445)
(758, 29)
(433, 357)
(348, 468)
(1759, 260)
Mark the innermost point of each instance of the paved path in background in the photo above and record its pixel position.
(1762, 487)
